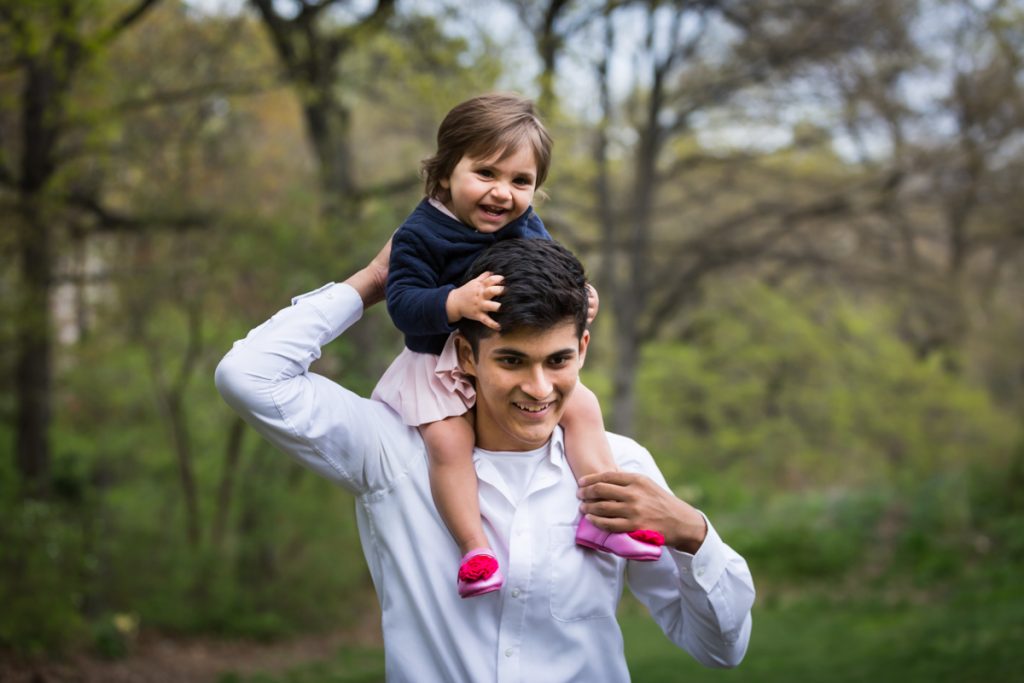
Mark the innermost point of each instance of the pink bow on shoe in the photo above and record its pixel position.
(642, 545)
(479, 573)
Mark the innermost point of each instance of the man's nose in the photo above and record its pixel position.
(537, 385)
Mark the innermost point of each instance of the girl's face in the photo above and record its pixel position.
(488, 194)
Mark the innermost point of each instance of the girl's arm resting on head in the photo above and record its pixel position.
(416, 299)
(357, 443)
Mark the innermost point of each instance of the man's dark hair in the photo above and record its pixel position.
(545, 285)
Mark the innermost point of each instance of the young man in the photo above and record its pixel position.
(554, 619)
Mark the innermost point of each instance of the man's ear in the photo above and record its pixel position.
(464, 353)
(584, 343)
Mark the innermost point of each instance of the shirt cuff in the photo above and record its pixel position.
(338, 304)
(705, 567)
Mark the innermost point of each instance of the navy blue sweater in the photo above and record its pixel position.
(430, 253)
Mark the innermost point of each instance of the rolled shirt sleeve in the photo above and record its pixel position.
(265, 378)
(702, 602)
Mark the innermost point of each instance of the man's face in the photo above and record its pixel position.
(523, 381)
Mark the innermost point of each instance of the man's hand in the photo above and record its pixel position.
(370, 281)
(624, 502)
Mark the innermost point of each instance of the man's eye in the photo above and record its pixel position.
(559, 361)
(509, 360)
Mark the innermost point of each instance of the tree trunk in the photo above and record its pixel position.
(312, 52)
(627, 352)
(41, 112)
(182, 441)
(329, 126)
(33, 372)
(47, 61)
(226, 489)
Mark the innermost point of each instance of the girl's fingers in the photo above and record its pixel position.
(488, 321)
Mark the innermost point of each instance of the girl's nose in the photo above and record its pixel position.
(500, 191)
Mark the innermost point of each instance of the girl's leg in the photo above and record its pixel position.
(586, 446)
(454, 488)
(588, 452)
(453, 480)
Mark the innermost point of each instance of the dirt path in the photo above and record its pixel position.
(162, 659)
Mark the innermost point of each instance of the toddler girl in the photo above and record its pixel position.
(492, 155)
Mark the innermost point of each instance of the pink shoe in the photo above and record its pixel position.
(644, 547)
(479, 573)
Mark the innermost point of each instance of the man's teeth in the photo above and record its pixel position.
(531, 409)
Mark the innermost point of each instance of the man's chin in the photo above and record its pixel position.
(535, 434)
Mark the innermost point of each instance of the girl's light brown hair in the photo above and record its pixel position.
(482, 127)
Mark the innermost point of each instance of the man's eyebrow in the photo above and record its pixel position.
(512, 351)
(507, 351)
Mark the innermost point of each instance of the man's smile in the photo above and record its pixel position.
(533, 408)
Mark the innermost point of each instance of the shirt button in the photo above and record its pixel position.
(700, 572)
(515, 592)
(509, 652)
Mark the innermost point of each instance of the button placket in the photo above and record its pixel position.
(513, 613)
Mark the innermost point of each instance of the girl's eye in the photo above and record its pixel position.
(525, 182)
(485, 172)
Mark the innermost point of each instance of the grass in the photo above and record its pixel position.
(975, 634)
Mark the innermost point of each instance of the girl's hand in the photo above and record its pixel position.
(473, 300)
(593, 303)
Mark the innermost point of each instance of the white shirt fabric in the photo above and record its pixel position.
(514, 469)
(554, 619)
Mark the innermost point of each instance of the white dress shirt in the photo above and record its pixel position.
(554, 619)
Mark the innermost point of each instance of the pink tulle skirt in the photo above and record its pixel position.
(424, 388)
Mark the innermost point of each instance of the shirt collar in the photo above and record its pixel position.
(549, 472)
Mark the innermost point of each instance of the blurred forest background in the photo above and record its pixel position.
(804, 219)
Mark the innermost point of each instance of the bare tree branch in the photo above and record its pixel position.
(192, 92)
(127, 19)
(108, 220)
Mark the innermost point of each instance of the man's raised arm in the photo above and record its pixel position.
(265, 377)
(369, 282)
